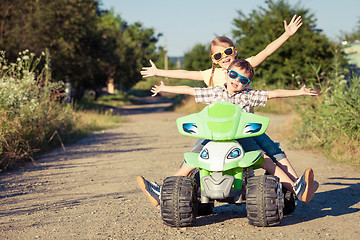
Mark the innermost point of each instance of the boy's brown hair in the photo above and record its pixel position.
(243, 64)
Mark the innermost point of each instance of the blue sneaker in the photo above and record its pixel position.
(305, 186)
(151, 190)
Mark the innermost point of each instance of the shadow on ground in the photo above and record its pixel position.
(148, 105)
(336, 202)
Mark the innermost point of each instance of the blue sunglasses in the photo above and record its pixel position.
(242, 79)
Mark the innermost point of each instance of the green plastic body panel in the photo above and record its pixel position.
(222, 121)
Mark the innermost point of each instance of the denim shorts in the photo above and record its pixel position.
(269, 147)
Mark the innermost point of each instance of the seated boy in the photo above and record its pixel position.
(239, 76)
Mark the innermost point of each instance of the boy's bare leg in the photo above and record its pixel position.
(304, 188)
(152, 190)
(286, 166)
(275, 170)
(184, 170)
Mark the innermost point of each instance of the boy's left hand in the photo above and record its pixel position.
(294, 25)
(307, 91)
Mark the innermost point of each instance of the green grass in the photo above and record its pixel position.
(331, 122)
(90, 121)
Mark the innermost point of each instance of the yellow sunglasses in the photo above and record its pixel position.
(228, 51)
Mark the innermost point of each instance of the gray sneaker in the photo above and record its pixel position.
(151, 190)
(305, 187)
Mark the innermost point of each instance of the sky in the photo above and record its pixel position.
(184, 23)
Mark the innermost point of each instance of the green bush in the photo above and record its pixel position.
(332, 120)
(31, 108)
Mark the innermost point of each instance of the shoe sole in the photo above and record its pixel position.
(309, 179)
(314, 188)
(141, 183)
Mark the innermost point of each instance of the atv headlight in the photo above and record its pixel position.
(234, 153)
(204, 154)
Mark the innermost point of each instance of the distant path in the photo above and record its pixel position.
(150, 105)
(90, 191)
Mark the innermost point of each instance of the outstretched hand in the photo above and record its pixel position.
(293, 26)
(149, 71)
(156, 89)
(308, 91)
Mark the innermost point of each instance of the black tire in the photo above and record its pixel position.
(179, 201)
(264, 201)
(289, 202)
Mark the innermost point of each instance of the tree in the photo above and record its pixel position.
(124, 49)
(65, 27)
(198, 58)
(355, 35)
(140, 44)
(88, 46)
(160, 59)
(295, 60)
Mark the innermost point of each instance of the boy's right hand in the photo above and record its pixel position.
(149, 71)
(156, 89)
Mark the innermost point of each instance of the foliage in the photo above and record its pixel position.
(90, 121)
(89, 47)
(354, 35)
(30, 108)
(198, 58)
(160, 60)
(64, 27)
(290, 65)
(124, 49)
(332, 121)
(33, 112)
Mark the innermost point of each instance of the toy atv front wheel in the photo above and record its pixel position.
(179, 201)
(264, 201)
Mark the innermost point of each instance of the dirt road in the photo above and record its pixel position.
(89, 191)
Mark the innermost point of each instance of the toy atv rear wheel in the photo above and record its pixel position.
(264, 201)
(179, 201)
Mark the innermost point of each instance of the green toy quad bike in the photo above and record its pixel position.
(225, 170)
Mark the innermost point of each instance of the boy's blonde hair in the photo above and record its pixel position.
(218, 41)
(243, 64)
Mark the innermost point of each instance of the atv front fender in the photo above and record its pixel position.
(251, 158)
(191, 160)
